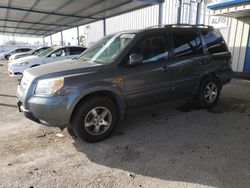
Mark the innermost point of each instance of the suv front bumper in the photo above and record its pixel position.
(26, 113)
(52, 111)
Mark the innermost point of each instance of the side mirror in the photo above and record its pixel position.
(53, 55)
(135, 59)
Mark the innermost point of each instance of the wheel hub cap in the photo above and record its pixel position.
(98, 120)
(210, 92)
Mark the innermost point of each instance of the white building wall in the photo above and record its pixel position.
(93, 32)
(133, 20)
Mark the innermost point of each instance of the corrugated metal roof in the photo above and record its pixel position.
(46, 17)
(232, 8)
(223, 4)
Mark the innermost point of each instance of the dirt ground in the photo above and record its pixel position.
(174, 144)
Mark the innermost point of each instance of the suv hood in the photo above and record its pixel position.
(62, 68)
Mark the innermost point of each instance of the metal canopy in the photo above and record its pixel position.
(46, 17)
(232, 8)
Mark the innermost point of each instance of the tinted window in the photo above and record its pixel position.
(40, 50)
(187, 44)
(153, 49)
(25, 50)
(214, 42)
(76, 50)
(61, 52)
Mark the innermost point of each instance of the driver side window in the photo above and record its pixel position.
(153, 49)
(61, 52)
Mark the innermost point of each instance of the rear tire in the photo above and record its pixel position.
(95, 119)
(209, 92)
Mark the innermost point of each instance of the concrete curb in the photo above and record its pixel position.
(242, 75)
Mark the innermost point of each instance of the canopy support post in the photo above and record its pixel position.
(198, 12)
(50, 40)
(43, 42)
(78, 36)
(160, 13)
(104, 27)
(61, 38)
(179, 12)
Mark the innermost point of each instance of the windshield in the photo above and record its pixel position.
(31, 52)
(107, 49)
(45, 52)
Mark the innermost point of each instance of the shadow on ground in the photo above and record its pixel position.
(181, 143)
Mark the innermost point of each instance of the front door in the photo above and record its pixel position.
(150, 80)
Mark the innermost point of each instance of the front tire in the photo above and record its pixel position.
(209, 92)
(7, 57)
(95, 119)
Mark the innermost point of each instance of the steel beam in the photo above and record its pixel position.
(11, 27)
(46, 24)
(18, 33)
(151, 1)
(44, 12)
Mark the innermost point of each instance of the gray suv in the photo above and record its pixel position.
(91, 94)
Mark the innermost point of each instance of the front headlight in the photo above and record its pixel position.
(22, 64)
(49, 86)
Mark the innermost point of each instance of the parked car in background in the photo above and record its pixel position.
(52, 54)
(125, 70)
(2, 55)
(17, 50)
(29, 53)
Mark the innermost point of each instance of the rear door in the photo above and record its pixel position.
(187, 58)
(217, 51)
(150, 80)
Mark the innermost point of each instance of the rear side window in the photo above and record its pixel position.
(187, 44)
(25, 50)
(153, 49)
(214, 42)
(76, 50)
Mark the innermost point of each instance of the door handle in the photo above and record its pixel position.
(164, 68)
(206, 60)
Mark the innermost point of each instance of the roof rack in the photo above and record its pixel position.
(182, 25)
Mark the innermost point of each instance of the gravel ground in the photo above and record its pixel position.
(174, 144)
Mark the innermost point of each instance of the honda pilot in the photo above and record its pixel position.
(91, 94)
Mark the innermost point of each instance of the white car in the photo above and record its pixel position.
(23, 54)
(6, 55)
(2, 55)
(53, 54)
